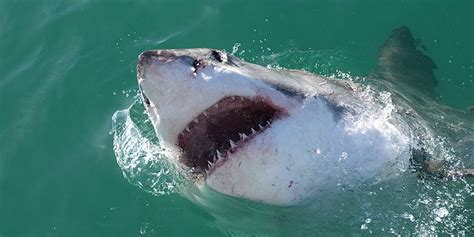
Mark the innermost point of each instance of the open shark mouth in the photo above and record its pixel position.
(223, 128)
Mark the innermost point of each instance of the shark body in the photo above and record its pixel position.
(277, 136)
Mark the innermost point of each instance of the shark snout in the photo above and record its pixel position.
(161, 55)
(148, 57)
(167, 58)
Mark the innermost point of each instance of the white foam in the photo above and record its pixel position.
(143, 162)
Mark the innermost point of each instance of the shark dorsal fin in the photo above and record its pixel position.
(401, 60)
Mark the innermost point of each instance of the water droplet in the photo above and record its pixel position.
(235, 48)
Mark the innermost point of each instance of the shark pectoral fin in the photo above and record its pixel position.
(437, 168)
(468, 173)
(402, 61)
(465, 173)
(440, 169)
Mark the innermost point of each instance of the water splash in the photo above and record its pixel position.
(138, 152)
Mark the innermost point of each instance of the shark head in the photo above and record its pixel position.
(267, 135)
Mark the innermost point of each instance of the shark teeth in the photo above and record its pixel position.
(242, 136)
(221, 156)
(232, 144)
(216, 161)
(210, 164)
(226, 126)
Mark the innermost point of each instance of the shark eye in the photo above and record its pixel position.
(219, 56)
(197, 63)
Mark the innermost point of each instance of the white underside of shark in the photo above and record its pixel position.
(269, 135)
(308, 153)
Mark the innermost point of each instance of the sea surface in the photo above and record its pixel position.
(68, 91)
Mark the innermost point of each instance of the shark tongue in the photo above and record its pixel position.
(223, 128)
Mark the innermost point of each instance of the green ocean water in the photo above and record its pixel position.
(67, 66)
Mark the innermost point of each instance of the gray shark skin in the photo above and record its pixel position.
(407, 72)
(281, 137)
(401, 60)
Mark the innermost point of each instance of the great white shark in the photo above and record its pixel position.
(281, 136)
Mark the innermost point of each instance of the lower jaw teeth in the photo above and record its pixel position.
(210, 164)
(225, 150)
(242, 136)
(232, 144)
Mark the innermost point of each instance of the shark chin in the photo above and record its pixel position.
(275, 136)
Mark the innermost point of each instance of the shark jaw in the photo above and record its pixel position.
(276, 137)
(223, 128)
